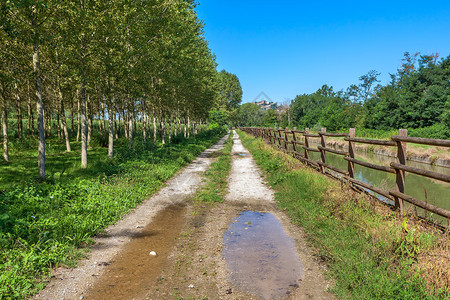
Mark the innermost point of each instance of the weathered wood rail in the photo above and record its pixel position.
(299, 139)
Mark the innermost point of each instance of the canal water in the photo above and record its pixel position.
(434, 191)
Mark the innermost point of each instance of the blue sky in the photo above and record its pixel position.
(287, 48)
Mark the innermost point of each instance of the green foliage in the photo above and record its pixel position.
(42, 224)
(364, 254)
(324, 108)
(218, 117)
(229, 91)
(436, 131)
(416, 98)
(249, 114)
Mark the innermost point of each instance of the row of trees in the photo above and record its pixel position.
(118, 62)
(418, 96)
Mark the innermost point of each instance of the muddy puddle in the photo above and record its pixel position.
(134, 271)
(261, 256)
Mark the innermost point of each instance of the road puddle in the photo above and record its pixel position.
(134, 270)
(240, 154)
(261, 256)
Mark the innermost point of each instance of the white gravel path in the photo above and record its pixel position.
(245, 183)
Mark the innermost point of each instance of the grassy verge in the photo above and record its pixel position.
(42, 225)
(216, 177)
(370, 253)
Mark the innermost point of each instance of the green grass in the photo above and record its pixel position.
(369, 255)
(42, 225)
(216, 177)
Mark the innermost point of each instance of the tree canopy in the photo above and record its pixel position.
(113, 62)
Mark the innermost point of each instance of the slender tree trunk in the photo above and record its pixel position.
(125, 124)
(170, 130)
(130, 127)
(19, 113)
(117, 125)
(155, 133)
(78, 118)
(89, 120)
(59, 125)
(188, 127)
(48, 124)
(71, 119)
(5, 131)
(83, 125)
(63, 120)
(29, 119)
(163, 130)
(39, 102)
(30, 113)
(103, 122)
(175, 127)
(185, 128)
(144, 126)
(110, 131)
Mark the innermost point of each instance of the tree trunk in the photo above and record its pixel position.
(30, 114)
(89, 120)
(130, 127)
(71, 118)
(170, 130)
(83, 126)
(188, 127)
(125, 124)
(175, 127)
(154, 128)
(78, 119)
(39, 102)
(110, 132)
(58, 123)
(117, 125)
(5, 132)
(185, 128)
(163, 131)
(19, 113)
(63, 120)
(144, 127)
(103, 122)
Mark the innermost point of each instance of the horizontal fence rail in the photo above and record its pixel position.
(300, 141)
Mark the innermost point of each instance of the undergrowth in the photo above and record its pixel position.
(42, 225)
(370, 253)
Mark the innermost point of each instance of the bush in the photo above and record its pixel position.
(437, 131)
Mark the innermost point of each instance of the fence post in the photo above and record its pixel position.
(400, 174)
(306, 143)
(286, 147)
(279, 137)
(322, 152)
(294, 139)
(351, 153)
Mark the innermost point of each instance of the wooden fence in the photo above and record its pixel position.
(301, 148)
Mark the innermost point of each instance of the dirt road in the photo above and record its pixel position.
(244, 248)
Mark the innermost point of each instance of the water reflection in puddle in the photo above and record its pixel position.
(241, 154)
(261, 256)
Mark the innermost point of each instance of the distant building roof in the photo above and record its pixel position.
(265, 105)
